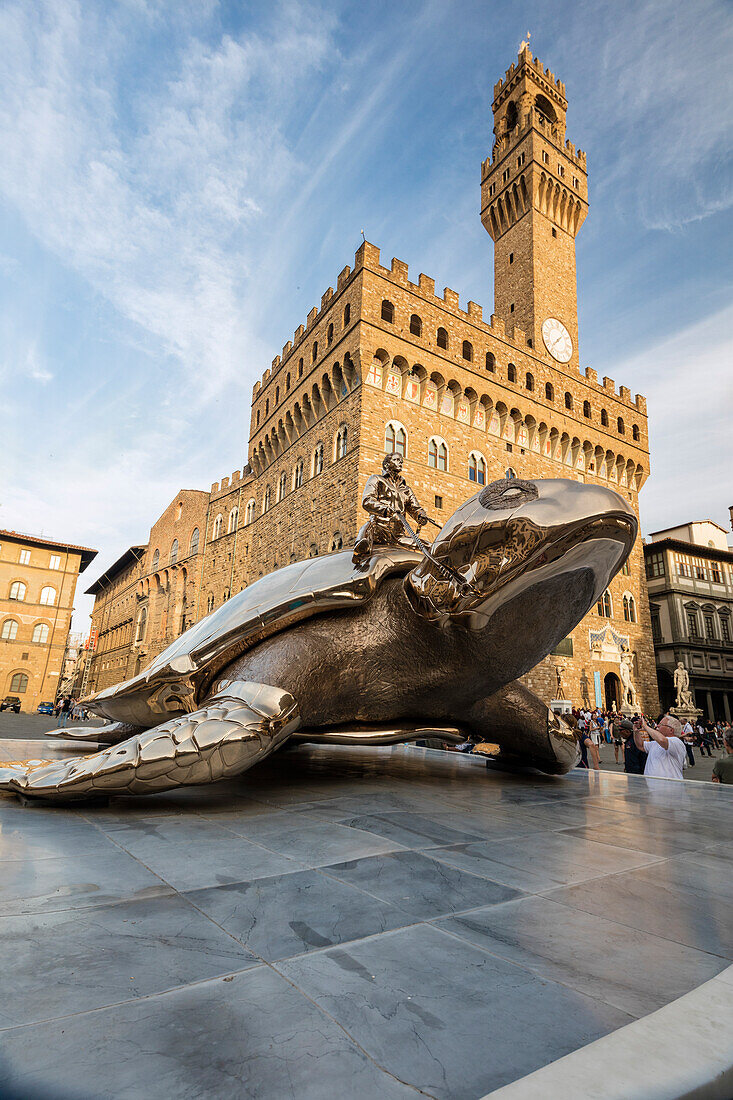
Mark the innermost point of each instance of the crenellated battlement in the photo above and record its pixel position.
(398, 273)
(542, 75)
(312, 319)
(230, 484)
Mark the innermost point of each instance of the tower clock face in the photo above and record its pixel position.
(557, 340)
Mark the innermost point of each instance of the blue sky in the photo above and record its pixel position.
(180, 182)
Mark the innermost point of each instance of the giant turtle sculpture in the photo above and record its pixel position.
(404, 646)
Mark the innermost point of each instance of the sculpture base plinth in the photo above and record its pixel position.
(561, 706)
(686, 714)
(628, 711)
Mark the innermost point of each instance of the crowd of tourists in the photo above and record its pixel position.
(660, 749)
(66, 707)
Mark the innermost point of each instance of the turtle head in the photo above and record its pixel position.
(549, 546)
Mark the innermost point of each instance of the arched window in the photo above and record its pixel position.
(620, 424)
(287, 381)
(313, 551)
(249, 515)
(258, 418)
(395, 439)
(193, 546)
(629, 609)
(40, 633)
(388, 312)
(227, 594)
(314, 352)
(490, 361)
(438, 454)
(300, 367)
(48, 596)
(318, 460)
(347, 314)
(174, 552)
(233, 520)
(298, 474)
(218, 522)
(529, 381)
(17, 591)
(142, 619)
(442, 339)
(337, 542)
(415, 325)
(10, 630)
(277, 395)
(19, 683)
(511, 372)
(568, 400)
(586, 410)
(604, 418)
(156, 559)
(329, 334)
(509, 474)
(267, 407)
(477, 468)
(467, 351)
(267, 500)
(635, 433)
(342, 436)
(210, 603)
(549, 392)
(282, 485)
(603, 607)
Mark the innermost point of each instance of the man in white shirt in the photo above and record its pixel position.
(665, 752)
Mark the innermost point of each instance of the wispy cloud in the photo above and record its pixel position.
(152, 213)
(689, 388)
(663, 91)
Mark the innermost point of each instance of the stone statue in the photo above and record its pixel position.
(682, 687)
(626, 668)
(585, 688)
(415, 643)
(387, 498)
(559, 689)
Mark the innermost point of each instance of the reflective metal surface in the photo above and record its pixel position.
(397, 647)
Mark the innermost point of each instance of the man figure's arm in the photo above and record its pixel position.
(414, 508)
(639, 740)
(372, 502)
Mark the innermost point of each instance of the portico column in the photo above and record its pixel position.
(709, 703)
(726, 707)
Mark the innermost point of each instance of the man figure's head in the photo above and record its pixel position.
(728, 740)
(627, 728)
(392, 465)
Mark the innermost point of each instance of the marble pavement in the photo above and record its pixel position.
(350, 922)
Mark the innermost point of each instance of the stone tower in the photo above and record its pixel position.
(534, 199)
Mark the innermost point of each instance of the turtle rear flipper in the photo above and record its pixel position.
(241, 723)
(111, 733)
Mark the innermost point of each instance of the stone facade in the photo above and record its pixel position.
(386, 363)
(690, 577)
(37, 585)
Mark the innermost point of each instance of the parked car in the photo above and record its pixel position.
(46, 708)
(11, 702)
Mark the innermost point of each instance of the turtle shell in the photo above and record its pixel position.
(175, 681)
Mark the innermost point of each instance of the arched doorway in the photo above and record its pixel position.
(612, 691)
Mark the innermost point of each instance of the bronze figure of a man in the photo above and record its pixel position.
(387, 496)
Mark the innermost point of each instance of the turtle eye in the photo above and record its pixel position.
(508, 493)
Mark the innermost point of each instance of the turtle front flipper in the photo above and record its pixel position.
(109, 734)
(528, 733)
(241, 723)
